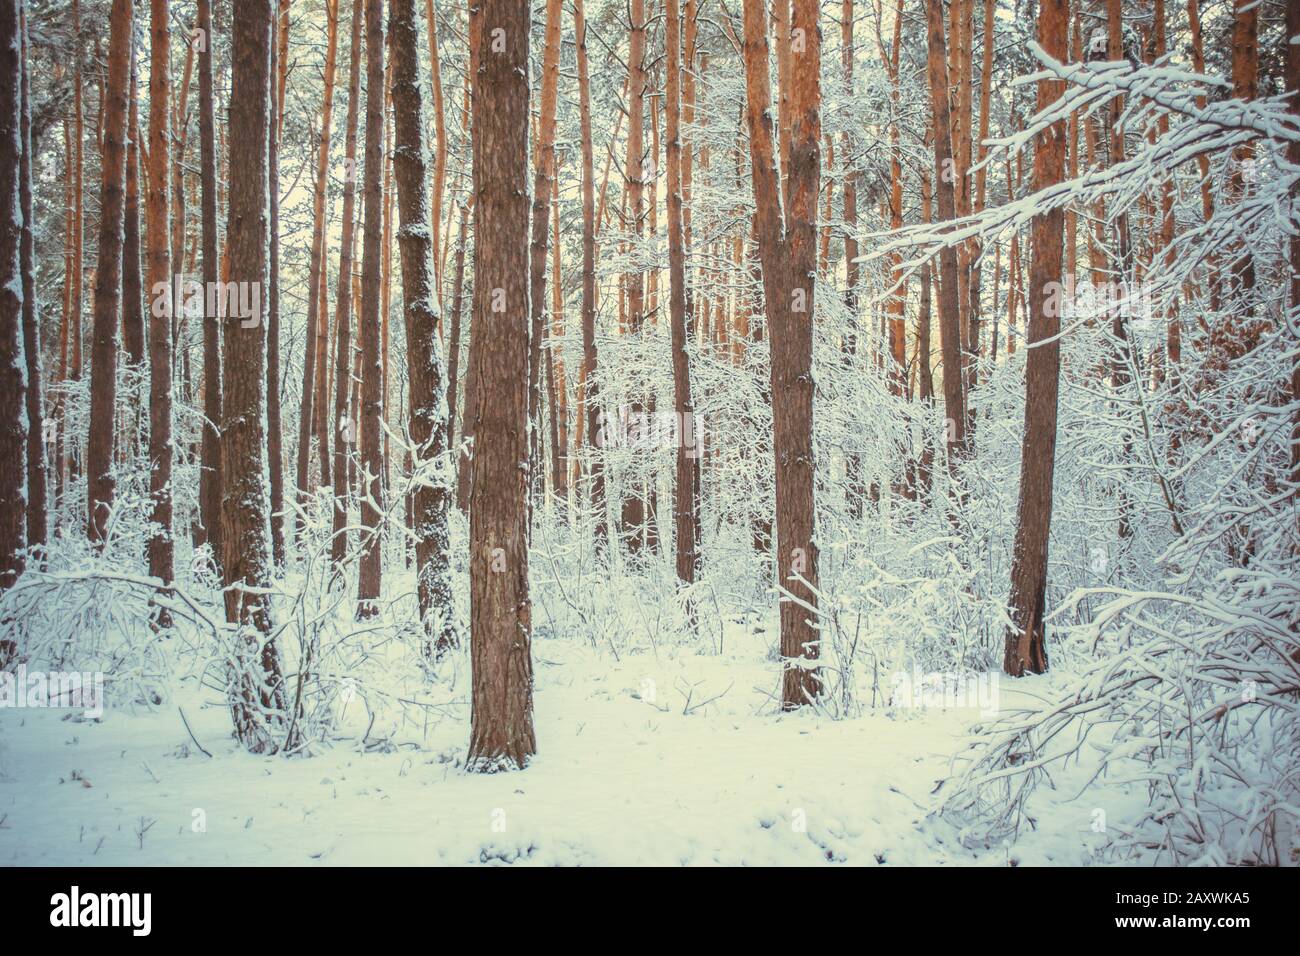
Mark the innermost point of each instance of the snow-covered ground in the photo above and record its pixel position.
(678, 758)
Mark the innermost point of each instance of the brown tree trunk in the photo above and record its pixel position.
(1026, 648)
(37, 504)
(453, 345)
(257, 694)
(440, 148)
(159, 282)
(590, 390)
(1292, 79)
(501, 735)
(428, 428)
(132, 278)
(210, 451)
(633, 520)
(543, 182)
(954, 393)
(13, 365)
(274, 426)
(370, 485)
(108, 281)
(308, 412)
(787, 249)
(344, 427)
(687, 485)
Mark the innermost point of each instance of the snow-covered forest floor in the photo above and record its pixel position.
(675, 758)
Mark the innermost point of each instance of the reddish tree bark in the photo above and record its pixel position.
(1026, 648)
(108, 278)
(132, 278)
(787, 250)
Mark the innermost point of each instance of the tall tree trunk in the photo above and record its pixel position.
(440, 148)
(308, 413)
(161, 554)
(687, 490)
(370, 489)
(954, 393)
(344, 427)
(108, 278)
(132, 278)
(543, 181)
(1292, 78)
(501, 734)
(37, 504)
(787, 250)
(453, 345)
(79, 235)
(590, 389)
(210, 451)
(428, 428)
(13, 364)
(1026, 648)
(633, 516)
(274, 426)
(257, 694)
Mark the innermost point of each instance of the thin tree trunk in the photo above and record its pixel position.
(633, 515)
(108, 281)
(457, 308)
(210, 452)
(312, 338)
(13, 364)
(687, 485)
(274, 426)
(590, 389)
(370, 486)
(344, 426)
(543, 181)
(37, 505)
(159, 281)
(132, 278)
(954, 394)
